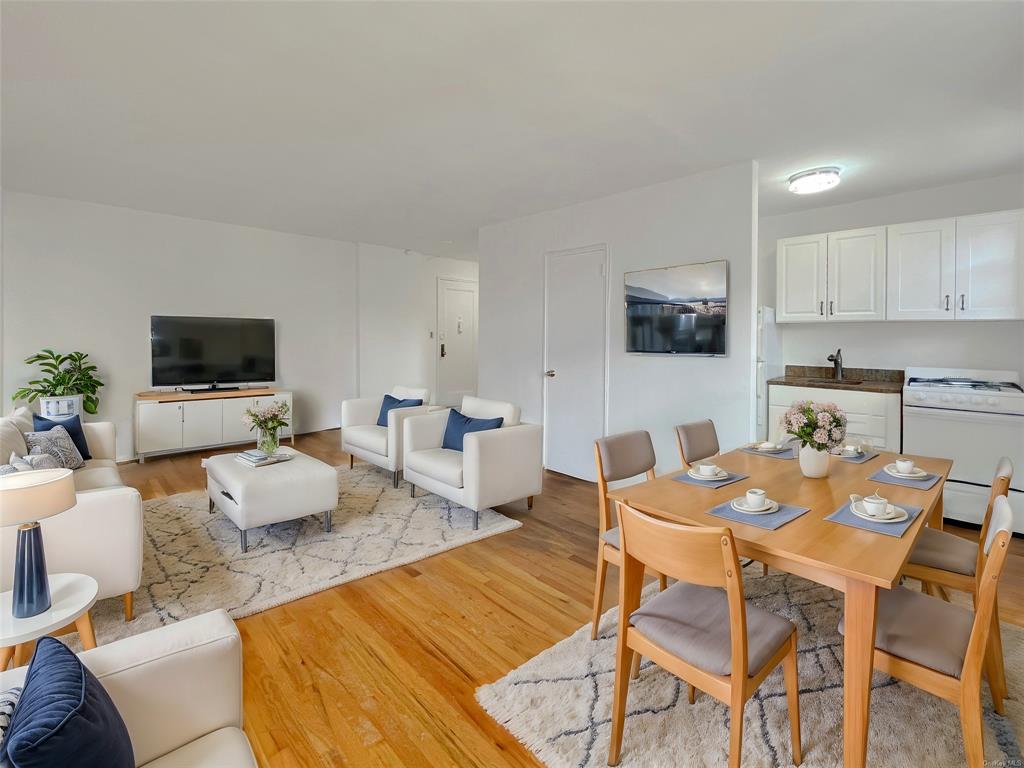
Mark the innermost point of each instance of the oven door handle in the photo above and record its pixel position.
(955, 414)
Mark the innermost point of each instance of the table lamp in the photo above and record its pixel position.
(26, 498)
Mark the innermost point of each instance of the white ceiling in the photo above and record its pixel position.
(413, 124)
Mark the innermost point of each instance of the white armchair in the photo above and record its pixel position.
(101, 535)
(179, 691)
(382, 446)
(496, 466)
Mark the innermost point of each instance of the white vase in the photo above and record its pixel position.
(813, 463)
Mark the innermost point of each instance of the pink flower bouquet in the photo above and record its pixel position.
(819, 425)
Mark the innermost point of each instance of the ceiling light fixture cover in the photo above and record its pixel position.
(814, 180)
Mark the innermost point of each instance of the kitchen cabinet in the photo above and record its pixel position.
(921, 266)
(801, 283)
(856, 274)
(872, 417)
(989, 268)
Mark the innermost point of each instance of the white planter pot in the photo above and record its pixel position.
(813, 463)
(64, 407)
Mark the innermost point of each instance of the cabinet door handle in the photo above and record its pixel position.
(821, 308)
(947, 302)
(831, 307)
(962, 307)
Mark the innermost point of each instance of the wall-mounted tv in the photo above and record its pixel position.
(678, 310)
(198, 351)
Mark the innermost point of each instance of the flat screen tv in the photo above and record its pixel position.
(195, 351)
(678, 310)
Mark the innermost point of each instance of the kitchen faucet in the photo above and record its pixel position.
(837, 364)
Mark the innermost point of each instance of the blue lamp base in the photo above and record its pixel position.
(31, 587)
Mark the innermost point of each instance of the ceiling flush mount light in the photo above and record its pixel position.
(814, 180)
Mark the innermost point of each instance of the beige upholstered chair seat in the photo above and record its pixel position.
(692, 622)
(369, 437)
(922, 629)
(612, 537)
(442, 464)
(945, 551)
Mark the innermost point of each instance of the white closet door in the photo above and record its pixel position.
(921, 265)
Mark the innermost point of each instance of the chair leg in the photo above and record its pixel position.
(693, 694)
(736, 725)
(662, 582)
(529, 502)
(623, 663)
(394, 479)
(244, 540)
(129, 606)
(792, 675)
(327, 521)
(211, 505)
(970, 722)
(351, 461)
(476, 519)
(412, 491)
(602, 572)
(634, 668)
(995, 641)
(940, 591)
(764, 569)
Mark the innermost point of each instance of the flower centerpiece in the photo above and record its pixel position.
(819, 427)
(267, 420)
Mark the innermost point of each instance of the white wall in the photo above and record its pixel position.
(81, 276)
(997, 345)
(398, 315)
(698, 218)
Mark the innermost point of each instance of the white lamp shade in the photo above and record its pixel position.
(26, 497)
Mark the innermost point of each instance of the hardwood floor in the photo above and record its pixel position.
(382, 671)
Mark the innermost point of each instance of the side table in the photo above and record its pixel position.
(71, 596)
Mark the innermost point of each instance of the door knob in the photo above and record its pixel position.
(550, 374)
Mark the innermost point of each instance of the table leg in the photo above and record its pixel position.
(6, 654)
(84, 626)
(23, 653)
(858, 656)
(935, 519)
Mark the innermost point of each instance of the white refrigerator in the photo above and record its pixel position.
(769, 363)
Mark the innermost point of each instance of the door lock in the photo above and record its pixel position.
(442, 349)
(550, 374)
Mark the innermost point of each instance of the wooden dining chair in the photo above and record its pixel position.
(700, 629)
(943, 648)
(697, 440)
(942, 560)
(618, 457)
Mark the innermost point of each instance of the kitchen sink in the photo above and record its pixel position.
(846, 382)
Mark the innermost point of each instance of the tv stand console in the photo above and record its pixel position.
(181, 420)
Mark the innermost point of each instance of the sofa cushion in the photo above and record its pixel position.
(65, 717)
(369, 437)
(97, 473)
(225, 746)
(35, 460)
(72, 425)
(441, 464)
(459, 425)
(390, 403)
(479, 408)
(56, 442)
(12, 438)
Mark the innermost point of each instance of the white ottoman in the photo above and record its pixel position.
(288, 490)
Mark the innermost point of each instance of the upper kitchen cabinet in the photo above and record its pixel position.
(989, 272)
(856, 275)
(801, 281)
(921, 265)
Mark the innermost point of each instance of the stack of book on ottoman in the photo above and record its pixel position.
(257, 458)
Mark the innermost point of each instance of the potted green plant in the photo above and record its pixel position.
(68, 386)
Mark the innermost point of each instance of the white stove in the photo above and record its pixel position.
(972, 417)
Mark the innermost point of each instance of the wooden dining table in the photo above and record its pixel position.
(853, 561)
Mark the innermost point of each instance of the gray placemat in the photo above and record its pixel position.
(924, 484)
(734, 477)
(789, 453)
(777, 519)
(844, 516)
(857, 459)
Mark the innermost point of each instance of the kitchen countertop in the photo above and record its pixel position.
(880, 380)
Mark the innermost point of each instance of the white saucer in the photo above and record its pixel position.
(722, 475)
(757, 447)
(851, 454)
(917, 474)
(899, 514)
(739, 504)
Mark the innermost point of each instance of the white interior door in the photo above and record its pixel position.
(575, 334)
(456, 340)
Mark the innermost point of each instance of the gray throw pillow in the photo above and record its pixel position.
(58, 444)
(35, 460)
(7, 469)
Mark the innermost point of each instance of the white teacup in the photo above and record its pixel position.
(904, 466)
(851, 449)
(875, 505)
(707, 470)
(756, 498)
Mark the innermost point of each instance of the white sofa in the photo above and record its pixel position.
(496, 466)
(102, 534)
(179, 691)
(382, 446)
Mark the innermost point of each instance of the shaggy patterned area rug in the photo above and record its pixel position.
(192, 562)
(558, 704)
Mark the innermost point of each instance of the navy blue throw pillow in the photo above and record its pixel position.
(65, 717)
(459, 426)
(72, 425)
(393, 402)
